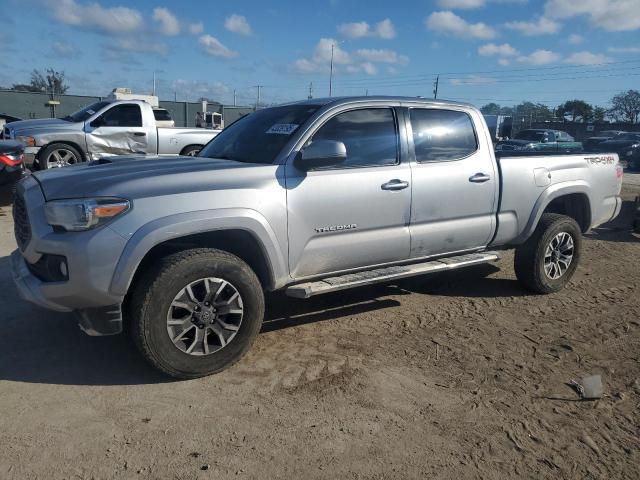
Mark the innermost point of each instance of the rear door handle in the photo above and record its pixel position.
(479, 178)
(394, 184)
(139, 134)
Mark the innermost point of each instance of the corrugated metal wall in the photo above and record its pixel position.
(34, 105)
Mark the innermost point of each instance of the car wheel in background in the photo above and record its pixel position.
(191, 150)
(58, 155)
(548, 259)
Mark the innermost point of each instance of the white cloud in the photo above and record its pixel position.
(504, 61)
(197, 89)
(473, 80)
(363, 60)
(196, 28)
(93, 16)
(491, 49)
(212, 46)
(383, 29)
(540, 57)
(168, 23)
(541, 26)
(623, 49)
(587, 58)
(62, 49)
(238, 24)
(575, 39)
(382, 56)
(449, 23)
(461, 4)
(138, 45)
(612, 15)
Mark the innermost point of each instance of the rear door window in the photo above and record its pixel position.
(442, 135)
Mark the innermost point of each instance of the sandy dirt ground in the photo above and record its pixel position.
(459, 376)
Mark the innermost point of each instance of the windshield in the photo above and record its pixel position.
(86, 112)
(530, 135)
(259, 137)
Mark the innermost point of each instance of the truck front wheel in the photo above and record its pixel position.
(548, 259)
(197, 312)
(59, 155)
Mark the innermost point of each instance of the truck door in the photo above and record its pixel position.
(117, 131)
(354, 214)
(455, 182)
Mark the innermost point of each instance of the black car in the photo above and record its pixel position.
(627, 146)
(11, 161)
(591, 142)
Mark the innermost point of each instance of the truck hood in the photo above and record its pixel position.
(142, 176)
(37, 124)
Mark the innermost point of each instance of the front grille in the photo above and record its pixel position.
(21, 226)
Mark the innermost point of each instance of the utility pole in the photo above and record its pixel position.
(234, 97)
(259, 87)
(175, 96)
(331, 71)
(435, 87)
(366, 92)
(310, 90)
(154, 83)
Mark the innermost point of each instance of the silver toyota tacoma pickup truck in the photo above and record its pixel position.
(308, 198)
(103, 129)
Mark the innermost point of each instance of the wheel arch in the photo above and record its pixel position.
(247, 236)
(571, 199)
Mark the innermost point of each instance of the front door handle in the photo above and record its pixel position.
(479, 178)
(139, 134)
(394, 184)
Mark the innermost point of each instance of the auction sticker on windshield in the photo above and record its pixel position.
(283, 128)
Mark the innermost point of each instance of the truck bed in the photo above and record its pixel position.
(593, 180)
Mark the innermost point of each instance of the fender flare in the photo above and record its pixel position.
(183, 224)
(554, 191)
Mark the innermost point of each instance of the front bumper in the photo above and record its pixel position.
(29, 287)
(30, 155)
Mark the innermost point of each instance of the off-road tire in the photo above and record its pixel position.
(529, 257)
(44, 155)
(155, 290)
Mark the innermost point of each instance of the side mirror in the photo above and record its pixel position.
(98, 122)
(321, 153)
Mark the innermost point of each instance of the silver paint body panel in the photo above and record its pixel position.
(440, 214)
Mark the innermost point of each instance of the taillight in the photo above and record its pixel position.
(618, 171)
(11, 160)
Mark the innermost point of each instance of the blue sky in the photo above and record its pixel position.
(485, 50)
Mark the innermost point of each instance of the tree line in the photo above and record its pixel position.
(625, 107)
(50, 81)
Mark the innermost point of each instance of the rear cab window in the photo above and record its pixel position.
(442, 135)
(161, 115)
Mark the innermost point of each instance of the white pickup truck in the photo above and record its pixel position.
(102, 129)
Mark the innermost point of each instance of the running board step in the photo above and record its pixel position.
(351, 280)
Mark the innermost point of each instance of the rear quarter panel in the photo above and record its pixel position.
(530, 183)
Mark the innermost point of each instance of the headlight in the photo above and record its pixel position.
(27, 141)
(84, 213)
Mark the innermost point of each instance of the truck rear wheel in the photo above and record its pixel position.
(191, 150)
(548, 259)
(196, 313)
